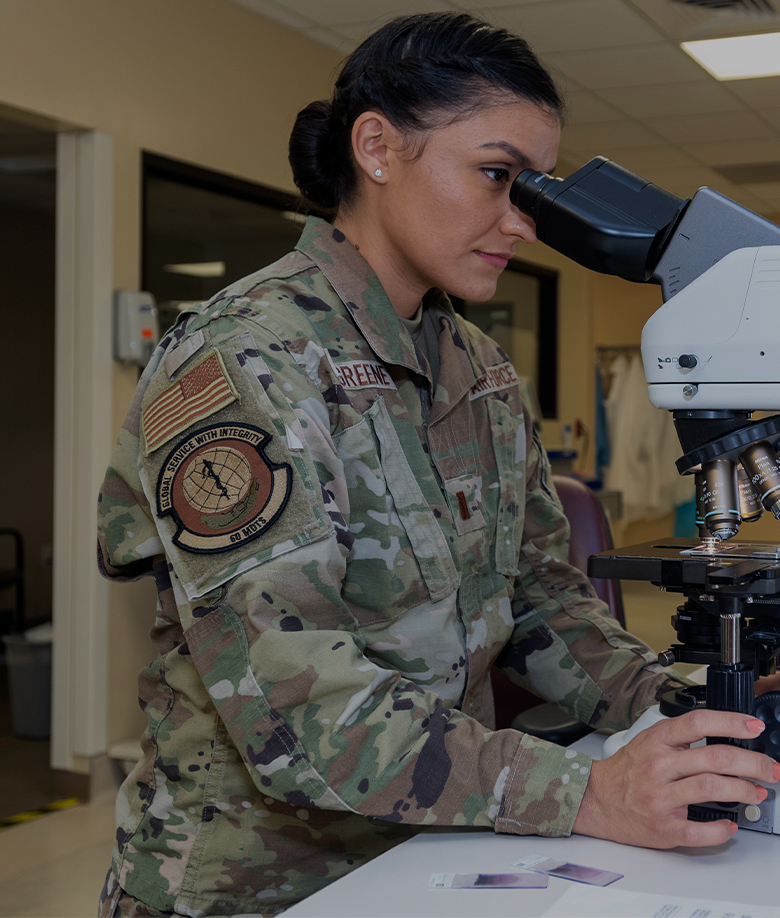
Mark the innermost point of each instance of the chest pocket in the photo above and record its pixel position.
(507, 432)
(400, 557)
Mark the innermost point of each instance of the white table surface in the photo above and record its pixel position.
(746, 870)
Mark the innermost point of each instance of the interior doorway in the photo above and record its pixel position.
(27, 342)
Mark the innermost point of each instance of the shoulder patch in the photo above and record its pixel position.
(204, 389)
(221, 488)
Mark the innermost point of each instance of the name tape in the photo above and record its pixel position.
(495, 378)
(363, 374)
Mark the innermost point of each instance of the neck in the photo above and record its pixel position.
(403, 293)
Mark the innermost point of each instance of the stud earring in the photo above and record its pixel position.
(378, 173)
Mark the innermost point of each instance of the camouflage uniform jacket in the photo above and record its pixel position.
(338, 569)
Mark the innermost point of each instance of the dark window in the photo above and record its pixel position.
(202, 230)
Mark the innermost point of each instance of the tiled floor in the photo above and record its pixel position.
(26, 781)
(54, 867)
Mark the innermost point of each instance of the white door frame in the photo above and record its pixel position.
(83, 409)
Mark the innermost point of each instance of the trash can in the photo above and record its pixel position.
(28, 659)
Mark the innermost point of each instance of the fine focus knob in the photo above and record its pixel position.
(687, 361)
(752, 813)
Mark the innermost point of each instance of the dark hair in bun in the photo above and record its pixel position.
(414, 70)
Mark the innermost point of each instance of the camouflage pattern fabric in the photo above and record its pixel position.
(337, 575)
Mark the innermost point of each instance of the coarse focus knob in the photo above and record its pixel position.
(666, 658)
(687, 361)
(707, 814)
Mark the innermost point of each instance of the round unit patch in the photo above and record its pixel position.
(221, 488)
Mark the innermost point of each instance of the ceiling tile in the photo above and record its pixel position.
(766, 191)
(614, 134)
(582, 155)
(633, 94)
(729, 152)
(337, 12)
(740, 125)
(567, 25)
(676, 99)
(763, 93)
(278, 12)
(333, 38)
(637, 65)
(487, 7)
(587, 106)
(355, 31)
(643, 160)
(772, 115)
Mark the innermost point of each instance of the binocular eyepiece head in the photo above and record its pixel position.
(602, 216)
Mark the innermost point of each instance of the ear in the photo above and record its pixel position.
(373, 140)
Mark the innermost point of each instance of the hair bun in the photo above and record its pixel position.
(313, 155)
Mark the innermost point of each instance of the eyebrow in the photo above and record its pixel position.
(511, 150)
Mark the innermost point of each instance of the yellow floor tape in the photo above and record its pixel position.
(34, 814)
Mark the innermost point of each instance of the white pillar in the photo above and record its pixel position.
(82, 444)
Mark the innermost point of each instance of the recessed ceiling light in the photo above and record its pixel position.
(198, 269)
(741, 57)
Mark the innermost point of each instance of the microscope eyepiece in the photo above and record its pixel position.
(528, 191)
(602, 216)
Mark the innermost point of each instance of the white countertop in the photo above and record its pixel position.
(394, 885)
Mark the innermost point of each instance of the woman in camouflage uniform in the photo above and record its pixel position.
(334, 481)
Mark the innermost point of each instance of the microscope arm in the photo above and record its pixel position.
(710, 227)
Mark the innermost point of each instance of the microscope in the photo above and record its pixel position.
(711, 357)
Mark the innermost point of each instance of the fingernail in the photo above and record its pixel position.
(777, 771)
(734, 828)
(761, 793)
(756, 726)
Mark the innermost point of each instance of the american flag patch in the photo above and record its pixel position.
(202, 390)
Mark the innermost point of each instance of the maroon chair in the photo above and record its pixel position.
(590, 533)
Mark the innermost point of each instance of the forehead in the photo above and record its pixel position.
(507, 129)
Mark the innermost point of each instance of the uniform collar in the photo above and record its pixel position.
(357, 285)
(359, 288)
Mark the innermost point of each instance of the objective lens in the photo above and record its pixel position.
(721, 500)
(750, 508)
(528, 191)
(761, 464)
(704, 533)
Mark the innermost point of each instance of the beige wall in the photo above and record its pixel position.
(204, 81)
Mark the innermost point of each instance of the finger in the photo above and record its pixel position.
(696, 725)
(721, 759)
(691, 834)
(708, 788)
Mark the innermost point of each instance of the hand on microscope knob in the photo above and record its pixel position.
(640, 795)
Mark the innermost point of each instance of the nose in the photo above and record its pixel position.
(517, 226)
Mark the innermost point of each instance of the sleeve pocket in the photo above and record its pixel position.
(509, 447)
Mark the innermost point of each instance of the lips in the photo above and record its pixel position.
(500, 261)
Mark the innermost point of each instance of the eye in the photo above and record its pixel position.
(497, 174)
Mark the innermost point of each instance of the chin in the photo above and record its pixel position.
(474, 293)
